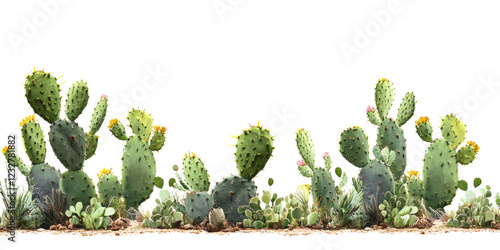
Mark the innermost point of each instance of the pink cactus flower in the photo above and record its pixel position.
(370, 109)
(325, 154)
(104, 96)
(301, 162)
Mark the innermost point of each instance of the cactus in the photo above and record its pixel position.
(158, 139)
(231, 193)
(109, 186)
(68, 140)
(415, 186)
(139, 165)
(198, 205)
(390, 133)
(253, 150)
(322, 183)
(43, 177)
(42, 93)
(440, 171)
(196, 182)
(424, 129)
(374, 174)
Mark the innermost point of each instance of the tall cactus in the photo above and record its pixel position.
(322, 183)
(139, 165)
(390, 133)
(440, 171)
(71, 145)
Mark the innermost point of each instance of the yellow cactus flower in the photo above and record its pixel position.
(5, 149)
(474, 146)
(29, 118)
(112, 123)
(104, 171)
(412, 173)
(422, 119)
(189, 154)
(160, 128)
(383, 80)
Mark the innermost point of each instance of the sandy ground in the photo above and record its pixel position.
(301, 238)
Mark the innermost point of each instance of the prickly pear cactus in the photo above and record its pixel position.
(138, 172)
(253, 150)
(415, 186)
(390, 133)
(139, 165)
(354, 146)
(77, 100)
(440, 171)
(424, 129)
(158, 139)
(231, 193)
(44, 179)
(99, 114)
(373, 176)
(198, 205)
(323, 188)
(91, 145)
(109, 186)
(195, 173)
(68, 142)
(42, 93)
(322, 183)
(78, 187)
(33, 140)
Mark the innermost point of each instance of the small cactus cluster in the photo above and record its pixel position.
(139, 165)
(196, 183)
(253, 150)
(322, 183)
(440, 172)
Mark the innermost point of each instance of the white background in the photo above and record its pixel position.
(206, 69)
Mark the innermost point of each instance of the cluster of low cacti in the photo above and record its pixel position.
(476, 211)
(382, 191)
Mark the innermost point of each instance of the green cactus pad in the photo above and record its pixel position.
(374, 175)
(453, 130)
(118, 130)
(42, 93)
(13, 159)
(384, 97)
(466, 155)
(138, 172)
(44, 179)
(424, 131)
(354, 146)
(98, 115)
(253, 150)
(305, 171)
(141, 123)
(77, 100)
(197, 205)
(306, 147)
(78, 187)
(109, 186)
(390, 135)
(440, 174)
(323, 188)
(92, 141)
(406, 109)
(195, 173)
(68, 142)
(231, 193)
(33, 140)
(415, 187)
(158, 140)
